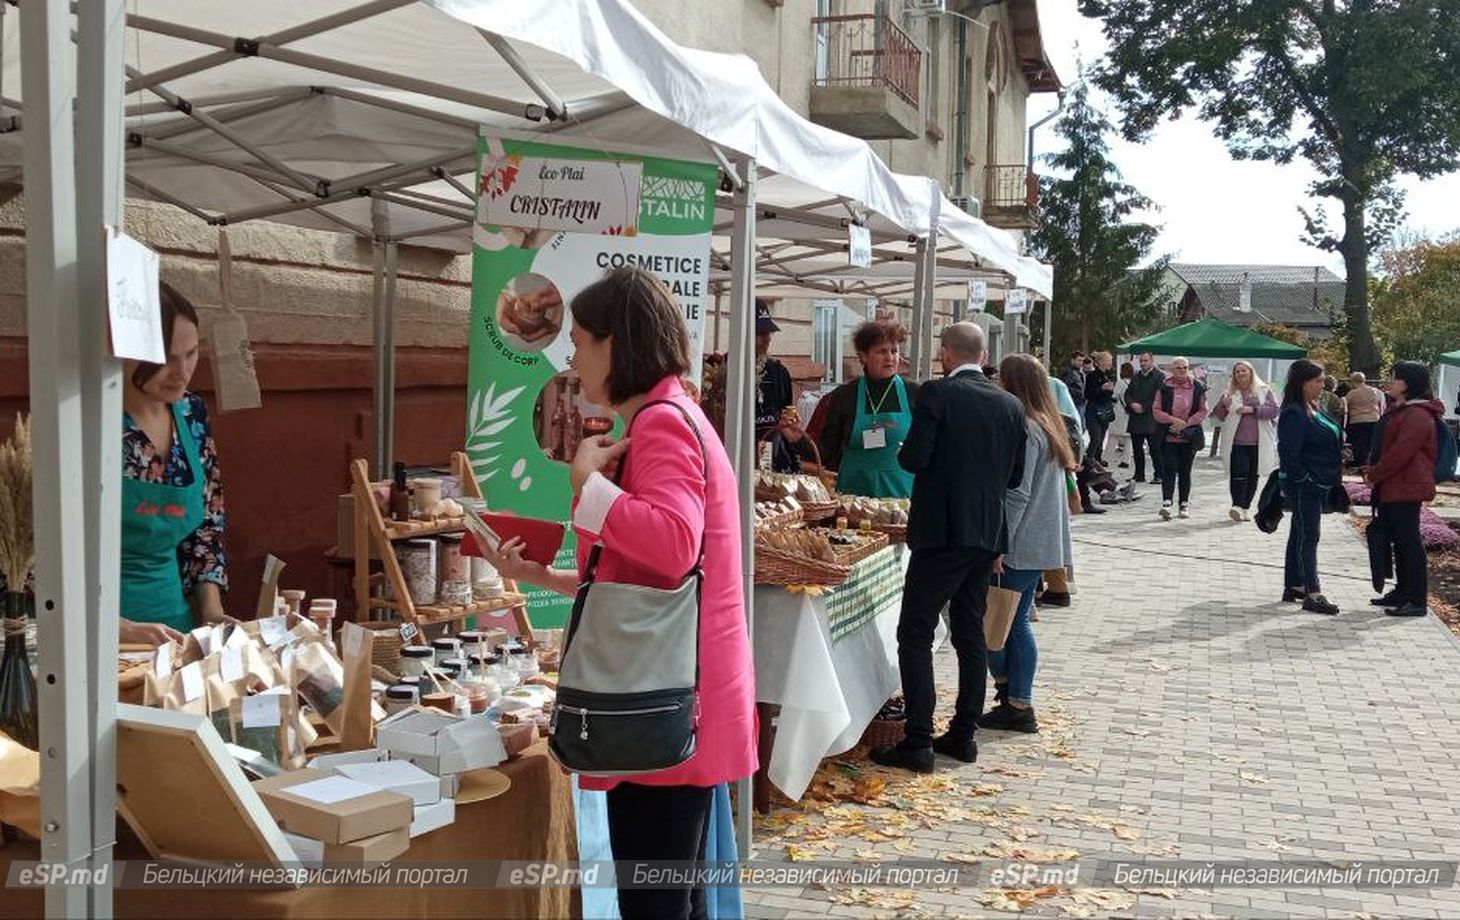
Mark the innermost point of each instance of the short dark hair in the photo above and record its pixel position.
(650, 340)
(1416, 379)
(173, 306)
(875, 332)
(1299, 374)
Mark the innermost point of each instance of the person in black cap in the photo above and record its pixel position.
(775, 399)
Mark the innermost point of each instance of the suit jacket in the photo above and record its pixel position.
(965, 449)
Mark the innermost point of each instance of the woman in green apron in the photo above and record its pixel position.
(867, 419)
(172, 557)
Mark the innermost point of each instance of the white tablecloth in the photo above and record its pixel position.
(829, 678)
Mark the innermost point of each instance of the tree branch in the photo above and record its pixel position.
(1315, 111)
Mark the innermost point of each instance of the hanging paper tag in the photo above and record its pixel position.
(230, 665)
(262, 710)
(978, 296)
(859, 246)
(235, 381)
(1016, 301)
(874, 438)
(192, 681)
(133, 299)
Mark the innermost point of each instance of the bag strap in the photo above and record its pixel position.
(597, 551)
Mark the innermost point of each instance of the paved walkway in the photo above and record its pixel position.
(1187, 715)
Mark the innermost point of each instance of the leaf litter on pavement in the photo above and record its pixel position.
(856, 811)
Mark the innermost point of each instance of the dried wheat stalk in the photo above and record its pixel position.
(17, 533)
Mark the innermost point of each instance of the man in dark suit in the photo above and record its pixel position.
(965, 448)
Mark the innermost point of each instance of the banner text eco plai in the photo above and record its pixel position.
(550, 221)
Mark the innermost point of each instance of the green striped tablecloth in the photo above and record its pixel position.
(876, 583)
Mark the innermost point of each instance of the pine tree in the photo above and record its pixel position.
(1086, 233)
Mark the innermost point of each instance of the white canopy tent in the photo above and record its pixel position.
(362, 117)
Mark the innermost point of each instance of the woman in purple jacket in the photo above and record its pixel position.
(1249, 441)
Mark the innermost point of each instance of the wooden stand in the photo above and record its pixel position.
(372, 529)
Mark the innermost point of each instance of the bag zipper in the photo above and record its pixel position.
(583, 714)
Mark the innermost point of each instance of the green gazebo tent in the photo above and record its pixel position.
(1212, 338)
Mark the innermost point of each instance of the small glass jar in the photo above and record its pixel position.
(502, 671)
(401, 696)
(413, 680)
(455, 565)
(446, 647)
(463, 670)
(473, 641)
(418, 566)
(416, 659)
(524, 662)
(486, 581)
(479, 695)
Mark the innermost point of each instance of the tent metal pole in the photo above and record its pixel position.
(294, 33)
(740, 423)
(101, 27)
(219, 100)
(142, 141)
(556, 109)
(176, 202)
(929, 273)
(395, 198)
(384, 341)
(401, 170)
(396, 105)
(1048, 331)
(430, 231)
(919, 306)
(63, 681)
(172, 127)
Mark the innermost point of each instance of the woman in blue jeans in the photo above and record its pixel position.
(1310, 458)
(1038, 516)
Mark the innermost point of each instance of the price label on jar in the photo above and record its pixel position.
(408, 631)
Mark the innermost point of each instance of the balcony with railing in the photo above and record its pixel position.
(867, 78)
(1011, 197)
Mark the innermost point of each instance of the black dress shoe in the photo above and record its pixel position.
(1317, 603)
(1001, 694)
(1408, 609)
(1388, 600)
(1008, 718)
(1094, 509)
(1293, 595)
(1053, 599)
(1139, 478)
(964, 749)
(916, 759)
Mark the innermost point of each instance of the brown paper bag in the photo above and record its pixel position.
(317, 676)
(268, 723)
(357, 729)
(998, 616)
(187, 690)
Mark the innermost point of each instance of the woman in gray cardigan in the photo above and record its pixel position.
(1038, 519)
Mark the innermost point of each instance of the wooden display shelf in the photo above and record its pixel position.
(407, 530)
(373, 531)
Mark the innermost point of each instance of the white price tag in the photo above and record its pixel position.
(164, 660)
(408, 631)
(192, 681)
(230, 664)
(354, 637)
(1016, 301)
(874, 438)
(978, 296)
(262, 711)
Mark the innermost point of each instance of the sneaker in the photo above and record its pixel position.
(1293, 595)
(916, 759)
(962, 749)
(1234, 513)
(1408, 609)
(1183, 512)
(1001, 694)
(1140, 477)
(1246, 515)
(1053, 599)
(1165, 511)
(1317, 603)
(1391, 599)
(1008, 718)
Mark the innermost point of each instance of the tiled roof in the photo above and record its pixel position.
(1289, 304)
(1193, 273)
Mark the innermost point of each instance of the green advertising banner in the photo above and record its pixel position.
(550, 221)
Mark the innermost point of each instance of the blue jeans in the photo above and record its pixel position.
(1015, 662)
(1305, 501)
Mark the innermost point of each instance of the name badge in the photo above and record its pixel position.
(874, 438)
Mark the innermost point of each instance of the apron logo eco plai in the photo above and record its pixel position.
(550, 221)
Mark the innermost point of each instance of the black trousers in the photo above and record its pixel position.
(1176, 469)
(1361, 439)
(1242, 474)
(1139, 442)
(1097, 429)
(1410, 565)
(655, 824)
(958, 577)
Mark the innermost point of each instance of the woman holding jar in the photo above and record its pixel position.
(675, 493)
(1249, 412)
(173, 560)
(867, 418)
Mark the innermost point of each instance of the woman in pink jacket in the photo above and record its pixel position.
(631, 349)
(1181, 406)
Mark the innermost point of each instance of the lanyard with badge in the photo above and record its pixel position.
(876, 438)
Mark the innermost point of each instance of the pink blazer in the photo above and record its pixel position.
(650, 528)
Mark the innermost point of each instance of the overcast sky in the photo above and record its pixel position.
(1213, 208)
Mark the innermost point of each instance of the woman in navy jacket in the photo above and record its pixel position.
(1310, 456)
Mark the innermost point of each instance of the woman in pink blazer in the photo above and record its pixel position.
(631, 349)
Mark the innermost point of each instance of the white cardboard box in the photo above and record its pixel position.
(431, 817)
(441, 743)
(330, 762)
(396, 776)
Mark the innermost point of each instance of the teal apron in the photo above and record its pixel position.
(156, 519)
(874, 471)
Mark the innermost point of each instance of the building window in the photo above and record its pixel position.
(826, 338)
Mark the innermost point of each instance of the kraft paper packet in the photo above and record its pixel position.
(235, 672)
(187, 690)
(318, 677)
(268, 723)
(235, 381)
(360, 711)
(155, 681)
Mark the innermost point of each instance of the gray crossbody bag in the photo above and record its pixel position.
(629, 680)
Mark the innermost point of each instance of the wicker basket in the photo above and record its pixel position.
(777, 567)
(884, 732)
(896, 533)
(385, 649)
(852, 555)
(785, 519)
(815, 512)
